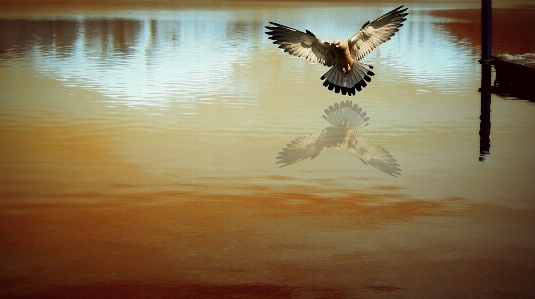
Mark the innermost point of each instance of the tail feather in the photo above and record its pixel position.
(352, 79)
(337, 81)
(328, 76)
(349, 83)
(336, 113)
(346, 113)
(358, 75)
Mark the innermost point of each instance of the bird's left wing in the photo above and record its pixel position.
(301, 44)
(377, 32)
(372, 154)
(308, 146)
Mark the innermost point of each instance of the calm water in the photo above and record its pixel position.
(138, 158)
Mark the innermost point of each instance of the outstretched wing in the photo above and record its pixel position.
(302, 148)
(301, 44)
(371, 35)
(372, 154)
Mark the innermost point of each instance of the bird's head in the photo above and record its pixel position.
(337, 43)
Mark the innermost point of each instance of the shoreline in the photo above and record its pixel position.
(12, 6)
(33, 8)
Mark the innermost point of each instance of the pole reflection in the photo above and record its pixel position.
(484, 126)
(486, 50)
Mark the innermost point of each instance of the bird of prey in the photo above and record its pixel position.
(345, 118)
(347, 73)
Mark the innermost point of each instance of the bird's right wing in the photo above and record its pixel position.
(372, 154)
(301, 44)
(308, 146)
(377, 32)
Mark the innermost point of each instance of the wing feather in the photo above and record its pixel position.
(301, 44)
(308, 146)
(371, 35)
(372, 154)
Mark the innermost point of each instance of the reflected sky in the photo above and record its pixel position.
(139, 62)
(191, 57)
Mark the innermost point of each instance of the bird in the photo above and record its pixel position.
(345, 119)
(347, 73)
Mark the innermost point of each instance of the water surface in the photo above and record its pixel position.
(138, 155)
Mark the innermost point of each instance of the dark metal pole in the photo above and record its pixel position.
(486, 31)
(486, 50)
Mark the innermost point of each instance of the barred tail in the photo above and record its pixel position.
(355, 80)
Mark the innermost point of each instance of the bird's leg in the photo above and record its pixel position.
(346, 69)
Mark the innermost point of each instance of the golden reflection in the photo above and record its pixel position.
(345, 118)
(226, 241)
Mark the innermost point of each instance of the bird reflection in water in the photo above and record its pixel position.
(345, 119)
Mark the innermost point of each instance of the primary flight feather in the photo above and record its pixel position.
(347, 73)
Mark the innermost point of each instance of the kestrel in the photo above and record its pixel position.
(345, 118)
(347, 73)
